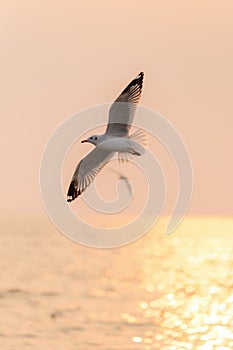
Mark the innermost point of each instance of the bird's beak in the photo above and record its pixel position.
(84, 141)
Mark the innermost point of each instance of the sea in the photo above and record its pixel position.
(165, 292)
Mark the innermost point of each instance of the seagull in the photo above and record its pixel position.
(115, 139)
(123, 178)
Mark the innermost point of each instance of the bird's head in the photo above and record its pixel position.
(94, 139)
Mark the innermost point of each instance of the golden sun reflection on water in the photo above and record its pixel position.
(188, 284)
(162, 292)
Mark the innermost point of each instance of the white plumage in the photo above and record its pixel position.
(115, 139)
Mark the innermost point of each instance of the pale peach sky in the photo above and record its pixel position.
(58, 57)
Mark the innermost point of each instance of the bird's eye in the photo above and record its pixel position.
(91, 138)
(95, 138)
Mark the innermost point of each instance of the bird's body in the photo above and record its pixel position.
(122, 145)
(115, 139)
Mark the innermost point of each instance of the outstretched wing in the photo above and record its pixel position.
(86, 171)
(122, 111)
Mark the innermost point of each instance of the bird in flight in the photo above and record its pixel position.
(115, 139)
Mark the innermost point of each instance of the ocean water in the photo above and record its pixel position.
(161, 292)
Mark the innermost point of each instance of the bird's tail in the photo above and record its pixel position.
(139, 136)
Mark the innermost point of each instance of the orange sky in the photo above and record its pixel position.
(58, 57)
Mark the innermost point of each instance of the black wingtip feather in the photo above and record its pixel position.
(136, 81)
(72, 192)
